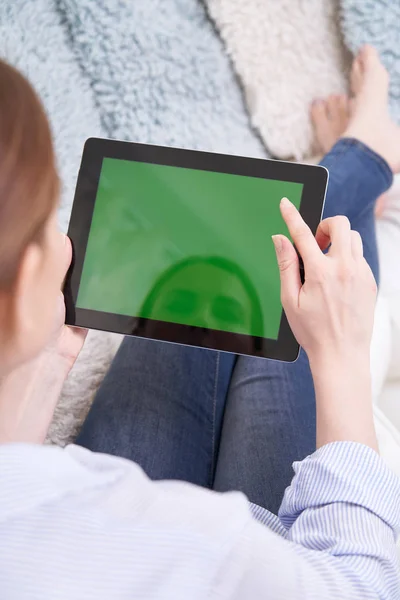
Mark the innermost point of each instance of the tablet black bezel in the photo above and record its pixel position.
(314, 179)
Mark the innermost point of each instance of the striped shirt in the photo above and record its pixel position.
(74, 524)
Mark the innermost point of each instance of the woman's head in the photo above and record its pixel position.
(32, 256)
(209, 292)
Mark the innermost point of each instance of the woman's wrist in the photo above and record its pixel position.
(325, 361)
(342, 382)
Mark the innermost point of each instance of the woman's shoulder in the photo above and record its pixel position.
(32, 476)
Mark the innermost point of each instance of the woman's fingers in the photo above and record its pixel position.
(357, 245)
(337, 232)
(344, 240)
(289, 268)
(334, 231)
(67, 253)
(300, 232)
(322, 238)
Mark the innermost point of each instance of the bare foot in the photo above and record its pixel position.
(330, 118)
(370, 121)
(366, 116)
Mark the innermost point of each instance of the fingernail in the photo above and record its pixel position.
(64, 239)
(277, 241)
(285, 203)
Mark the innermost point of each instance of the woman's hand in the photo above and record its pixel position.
(332, 316)
(29, 394)
(66, 342)
(333, 312)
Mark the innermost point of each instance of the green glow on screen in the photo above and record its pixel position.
(186, 246)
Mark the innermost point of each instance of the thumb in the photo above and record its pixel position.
(59, 317)
(67, 252)
(289, 268)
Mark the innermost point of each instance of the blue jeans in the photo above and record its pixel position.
(217, 420)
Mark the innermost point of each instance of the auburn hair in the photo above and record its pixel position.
(29, 184)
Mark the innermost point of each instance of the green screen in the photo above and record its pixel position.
(186, 246)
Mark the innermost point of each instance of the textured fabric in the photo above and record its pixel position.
(33, 39)
(79, 525)
(286, 53)
(376, 22)
(160, 74)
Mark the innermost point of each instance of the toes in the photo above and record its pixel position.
(367, 66)
(372, 64)
(339, 113)
(319, 113)
(356, 75)
(333, 107)
(330, 119)
(352, 106)
(322, 125)
(344, 107)
(368, 54)
(358, 67)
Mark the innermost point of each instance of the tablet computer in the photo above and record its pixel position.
(175, 245)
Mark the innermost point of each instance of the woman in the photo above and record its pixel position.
(78, 524)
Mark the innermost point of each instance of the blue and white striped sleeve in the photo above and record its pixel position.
(336, 531)
(344, 501)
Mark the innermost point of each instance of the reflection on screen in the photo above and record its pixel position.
(186, 246)
(213, 292)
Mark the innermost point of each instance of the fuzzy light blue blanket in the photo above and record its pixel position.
(159, 73)
(33, 39)
(149, 70)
